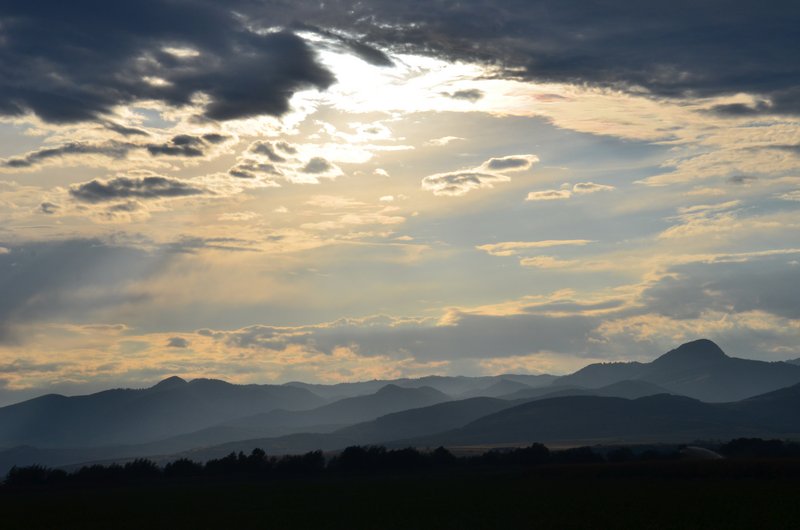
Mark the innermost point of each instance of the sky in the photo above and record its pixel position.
(273, 190)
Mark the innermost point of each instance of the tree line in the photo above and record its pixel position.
(375, 459)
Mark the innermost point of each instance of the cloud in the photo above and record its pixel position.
(150, 187)
(581, 188)
(491, 172)
(511, 248)
(768, 283)
(77, 62)
(472, 95)
(547, 262)
(112, 149)
(239, 216)
(460, 182)
(793, 195)
(270, 162)
(181, 145)
(192, 244)
(317, 165)
(185, 145)
(742, 179)
(266, 149)
(49, 208)
(548, 195)
(177, 342)
(511, 163)
(703, 219)
(590, 187)
(675, 50)
(444, 140)
(79, 277)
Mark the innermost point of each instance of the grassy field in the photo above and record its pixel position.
(714, 495)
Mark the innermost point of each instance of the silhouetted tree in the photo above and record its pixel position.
(141, 469)
(442, 458)
(182, 468)
(34, 475)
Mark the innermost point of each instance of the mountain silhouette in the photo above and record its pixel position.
(457, 386)
(497, 389)
(423, 421)
(624, 389)
(390, 398)
(699, 369)
(693, 391)
(662, 417)
(125, 416)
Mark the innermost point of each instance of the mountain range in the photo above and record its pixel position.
(694, 391)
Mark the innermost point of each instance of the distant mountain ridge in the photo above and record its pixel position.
(609, 401)
(699, 369)
(125, 416)
(661, 417)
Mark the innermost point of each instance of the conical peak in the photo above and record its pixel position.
(701, 350)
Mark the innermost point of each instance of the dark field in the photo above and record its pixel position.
(718, 495)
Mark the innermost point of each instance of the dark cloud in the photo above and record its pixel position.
(177, 342)
(791, 148)
(460, 182)
(180, 145)
(266, 149)
(48, 208)
(740, 109)
(317, 165)
(27, 366)
(742, 179)
(214, 138)
(190, 245)
(152, 187)
(75, 61)
(770, 284)
(249, 169)
(125, 130)
(286, 148)
(112, 149)
(364, 51)
(677, 49)
(510, 162)
(471, 95)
